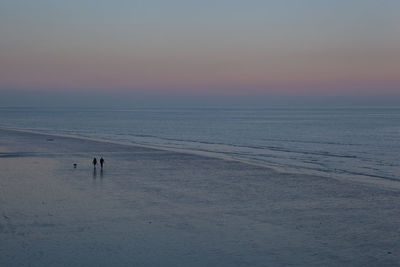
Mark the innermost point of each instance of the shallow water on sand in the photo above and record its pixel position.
(159, 208)
(335, 142)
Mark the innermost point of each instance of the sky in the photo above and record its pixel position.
(252, 48)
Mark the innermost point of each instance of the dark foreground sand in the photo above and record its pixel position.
(158, 208)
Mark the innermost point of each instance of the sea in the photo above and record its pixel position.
(334, 142)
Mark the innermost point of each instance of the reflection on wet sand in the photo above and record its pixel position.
(52, 214)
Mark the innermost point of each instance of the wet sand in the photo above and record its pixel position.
(150, 207)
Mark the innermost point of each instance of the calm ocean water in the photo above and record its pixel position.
(361, 142)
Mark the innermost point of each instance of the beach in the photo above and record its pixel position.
(153, 207)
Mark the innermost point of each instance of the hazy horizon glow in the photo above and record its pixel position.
(202, 47)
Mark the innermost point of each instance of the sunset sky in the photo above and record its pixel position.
(219, 47)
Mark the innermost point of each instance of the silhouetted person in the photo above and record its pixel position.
(101, 162)
(94, 162)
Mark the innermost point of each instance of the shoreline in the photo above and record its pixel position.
(151, 207)
(387, 183)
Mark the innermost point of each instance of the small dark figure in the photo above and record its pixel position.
(101, 162)
(75, 165)
(94, 162)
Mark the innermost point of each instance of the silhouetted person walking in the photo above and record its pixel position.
(94, 162)
(101, 162)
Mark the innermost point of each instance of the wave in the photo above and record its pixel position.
(292, 161)
(260, 147)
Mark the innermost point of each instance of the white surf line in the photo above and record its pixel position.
(385, 183)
